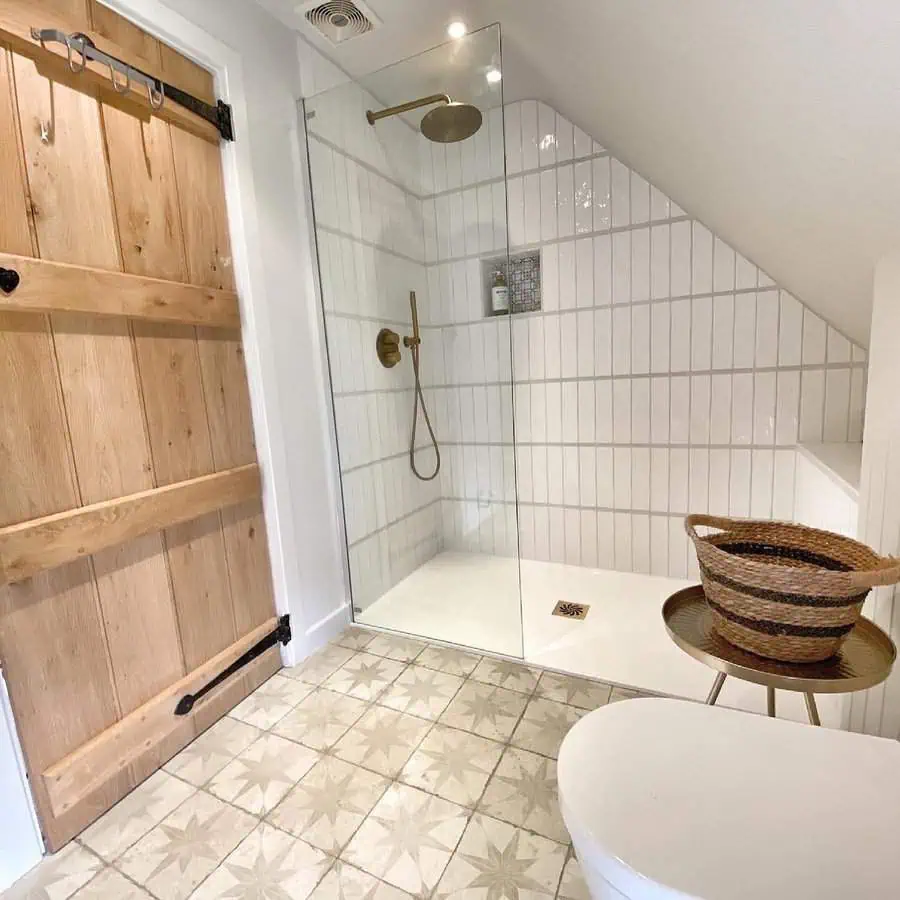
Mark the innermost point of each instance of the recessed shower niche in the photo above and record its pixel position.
(522, 274)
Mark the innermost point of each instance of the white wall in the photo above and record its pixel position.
(877, 711)
(20, 840)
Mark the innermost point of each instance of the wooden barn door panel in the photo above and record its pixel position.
(94, 409)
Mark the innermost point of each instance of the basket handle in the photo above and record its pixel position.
(886, 572)
(723, 523)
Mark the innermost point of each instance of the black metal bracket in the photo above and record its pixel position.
(280, 635)
(218, 115)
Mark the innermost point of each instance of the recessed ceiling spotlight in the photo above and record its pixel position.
(457, 29)
(493, 76)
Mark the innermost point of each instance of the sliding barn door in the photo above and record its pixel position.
(133, 558)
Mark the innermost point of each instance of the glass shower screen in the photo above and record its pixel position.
(409, 196)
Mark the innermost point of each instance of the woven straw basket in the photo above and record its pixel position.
(783, 591)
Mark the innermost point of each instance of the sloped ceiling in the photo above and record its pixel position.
(776, 122)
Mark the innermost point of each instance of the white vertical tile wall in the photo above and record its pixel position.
(664, 372)
(371, 246)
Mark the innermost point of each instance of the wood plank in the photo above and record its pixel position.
(208, 251)
(73, 778)
(27, 548)
(143, 179)
(18, 17)
(95, 356)
(48, 287)
(51, 630)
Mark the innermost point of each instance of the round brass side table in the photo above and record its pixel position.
(864, 660)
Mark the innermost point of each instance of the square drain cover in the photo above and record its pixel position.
(571, 610)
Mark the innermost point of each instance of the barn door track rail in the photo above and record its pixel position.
(80, 50)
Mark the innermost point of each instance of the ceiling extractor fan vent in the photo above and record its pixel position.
(340, 20)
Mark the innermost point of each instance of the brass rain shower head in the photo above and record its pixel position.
(449, 123)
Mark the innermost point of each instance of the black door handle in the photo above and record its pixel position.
(9, 280)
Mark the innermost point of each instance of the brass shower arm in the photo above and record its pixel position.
(372, 117)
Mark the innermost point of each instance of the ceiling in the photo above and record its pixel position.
(775, 122)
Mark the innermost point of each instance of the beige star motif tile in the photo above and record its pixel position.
(354, 638)
(271, 701)
(365, 676)
(449, 660)
(212, 751)
(56, 877)
(186, 847)
(345, 882)
(395, 646)
(110, 885)
(382, 740)
(572, 886)
(268, 863)
(407, 839)
(489, 711)
(544, 726)
(135, 814)
(321, 719)
(510, 675)
(421, 692)
(496, 861)
(320, 665)
(618, 694)
(523, 792)
(454, 764)
(578, 692)
(329, 803)
(258, 778)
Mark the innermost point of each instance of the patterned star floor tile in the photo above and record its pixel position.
(421, 692)
(258, 778)
(345, 882)
(544, 726)
(510, 675)
(319, 666)
(395, 646)
(382, 740)
(135, 814)
(321, 720)
(489, 711)
(449, 660)
(57, 877)
(329, 803)
(365, 676)
(572, 886)
(271, 701)
(354, 638)
(186, 847)
(496, 861)
(110, 885)
(578, 692)
(624, 694)
(454, 764)
(523, 792)
(212, 751)
(407, 839)
(268, 863)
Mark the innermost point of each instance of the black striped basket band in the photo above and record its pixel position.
(779, 628)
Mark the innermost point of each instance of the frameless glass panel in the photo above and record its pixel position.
(410, 210)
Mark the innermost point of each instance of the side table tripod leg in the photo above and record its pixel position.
(770, 702)
(812, 709)
(716, 689)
